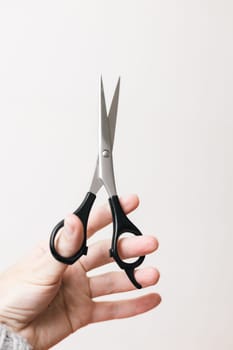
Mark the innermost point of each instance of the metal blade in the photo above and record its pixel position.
(113, 112)
(106, 173)
(103, 109)
(96, 183)
(104, 132)
(104, 168)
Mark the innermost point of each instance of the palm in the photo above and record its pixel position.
(70, 309)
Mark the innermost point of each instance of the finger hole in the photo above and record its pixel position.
(136, 246)
(70, 237)
(128, 237)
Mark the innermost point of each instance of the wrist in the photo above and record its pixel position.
(11, 340)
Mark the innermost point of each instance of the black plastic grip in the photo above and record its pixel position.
(82, 212)
(121, 224)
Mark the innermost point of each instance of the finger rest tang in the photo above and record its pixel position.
(121, 224)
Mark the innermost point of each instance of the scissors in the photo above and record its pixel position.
(104, 176)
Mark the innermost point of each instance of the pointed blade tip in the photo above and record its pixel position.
(101, 81)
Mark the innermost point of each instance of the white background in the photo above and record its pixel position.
(173, 147)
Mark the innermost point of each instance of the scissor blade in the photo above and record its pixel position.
(96, 183)
(113, 112)
(106, 173)
(103, 109)
(104, 136)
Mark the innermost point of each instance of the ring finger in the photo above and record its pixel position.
(116, 282)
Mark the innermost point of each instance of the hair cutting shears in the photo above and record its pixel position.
(104, 176)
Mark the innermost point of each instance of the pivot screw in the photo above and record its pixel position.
(106, 153)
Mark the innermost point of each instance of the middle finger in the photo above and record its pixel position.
(98, 253)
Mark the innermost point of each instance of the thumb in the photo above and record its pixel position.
(70, 237)
(68, 241)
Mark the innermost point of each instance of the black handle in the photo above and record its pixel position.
(83, 213)
(121, 224)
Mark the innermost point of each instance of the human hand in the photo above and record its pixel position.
(45, 300)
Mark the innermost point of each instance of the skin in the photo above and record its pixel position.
(45, 300)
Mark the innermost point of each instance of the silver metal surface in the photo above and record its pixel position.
(96, 183)
(106, 153)
(113, 112)
(104, 174)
